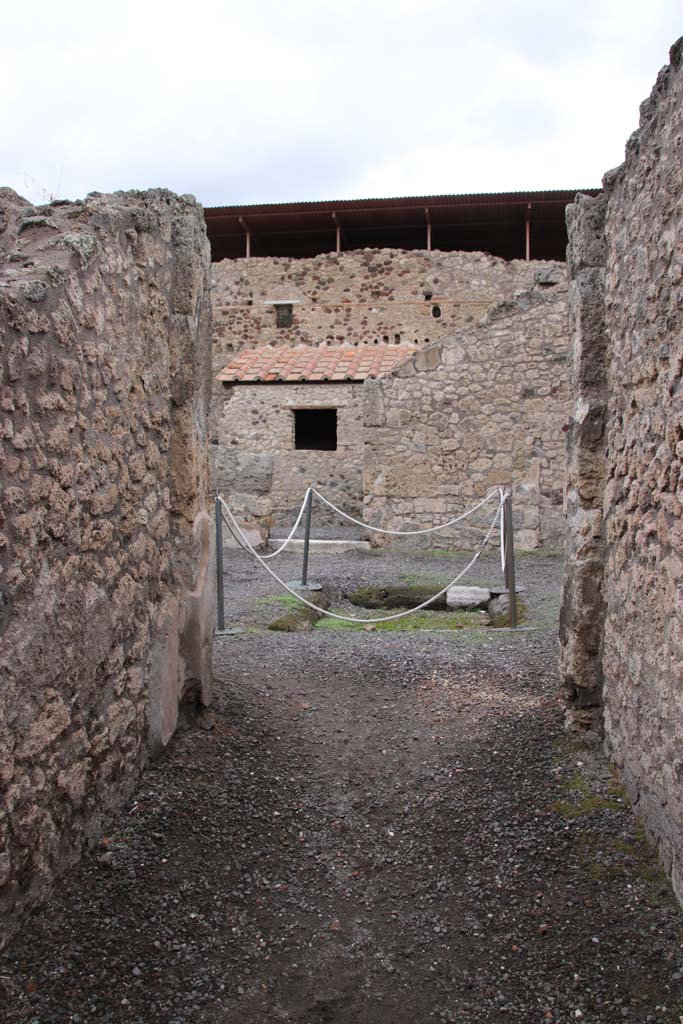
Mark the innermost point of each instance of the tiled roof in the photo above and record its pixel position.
(305, 364)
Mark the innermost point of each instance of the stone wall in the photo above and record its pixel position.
(625, 499)
(257, 465)
(359, 297)
(582, 614)
(482, 395)
(484, 407)
(105, 538)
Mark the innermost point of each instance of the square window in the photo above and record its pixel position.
(315, 430)
(283, 315)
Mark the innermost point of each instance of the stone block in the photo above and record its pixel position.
(468, 598)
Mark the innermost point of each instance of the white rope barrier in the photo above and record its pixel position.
(503, 553)
(244, 542)
(394, 533)
(411, 533)
(294, 528)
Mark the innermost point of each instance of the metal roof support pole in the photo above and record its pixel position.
(339, 238)
(429, 229)
(247, 236)
(528, 232)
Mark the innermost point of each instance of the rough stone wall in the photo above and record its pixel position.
(359, 297)
(484, 407)
(370, 296)
(641, 351)
(582, 615)
(257, 465)
(105, 539)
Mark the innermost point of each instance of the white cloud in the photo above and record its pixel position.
(323, 98)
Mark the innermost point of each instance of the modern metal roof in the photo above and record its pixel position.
(285, 364)
(494, 222)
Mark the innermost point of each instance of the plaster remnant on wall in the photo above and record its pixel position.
(106, 590)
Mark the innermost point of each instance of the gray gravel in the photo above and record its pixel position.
(367, 827)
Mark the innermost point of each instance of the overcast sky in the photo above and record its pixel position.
(267, 101)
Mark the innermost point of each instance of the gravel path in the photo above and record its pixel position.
(367, 827)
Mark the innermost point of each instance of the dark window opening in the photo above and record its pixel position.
(436, 311)
(315, 430)
(283, 315)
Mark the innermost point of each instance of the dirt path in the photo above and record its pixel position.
(368, 827)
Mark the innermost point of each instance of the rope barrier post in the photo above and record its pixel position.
(509, 547)
(307, 539)
(292, 588)
(220, 608)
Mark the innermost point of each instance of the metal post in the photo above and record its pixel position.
(509, 542)
(307, 539)
(527, 238)
(220, 610)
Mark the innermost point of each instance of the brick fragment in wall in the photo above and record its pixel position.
(622, 633)
(106, 614)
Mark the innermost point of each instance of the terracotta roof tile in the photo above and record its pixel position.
(305, 363)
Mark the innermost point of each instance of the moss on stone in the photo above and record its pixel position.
(300, 619)
(499, 611)
(406, 595)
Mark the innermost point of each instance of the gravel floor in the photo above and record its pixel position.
(367, 827)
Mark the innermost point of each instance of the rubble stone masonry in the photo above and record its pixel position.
(485, 407)
(359, 297)
(486, 404)
(622, 630)
(257, 463)
(105, 538)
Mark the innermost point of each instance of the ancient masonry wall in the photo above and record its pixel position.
(479, 397)
(105, 537)
(626, 490)
(360, 297)
(258, 464)
(484, 408)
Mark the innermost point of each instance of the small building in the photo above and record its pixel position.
(292, 416)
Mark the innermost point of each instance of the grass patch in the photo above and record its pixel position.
(642, 861)
(570, 809)
(627, 859)
(420, 620)
(571, 747)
